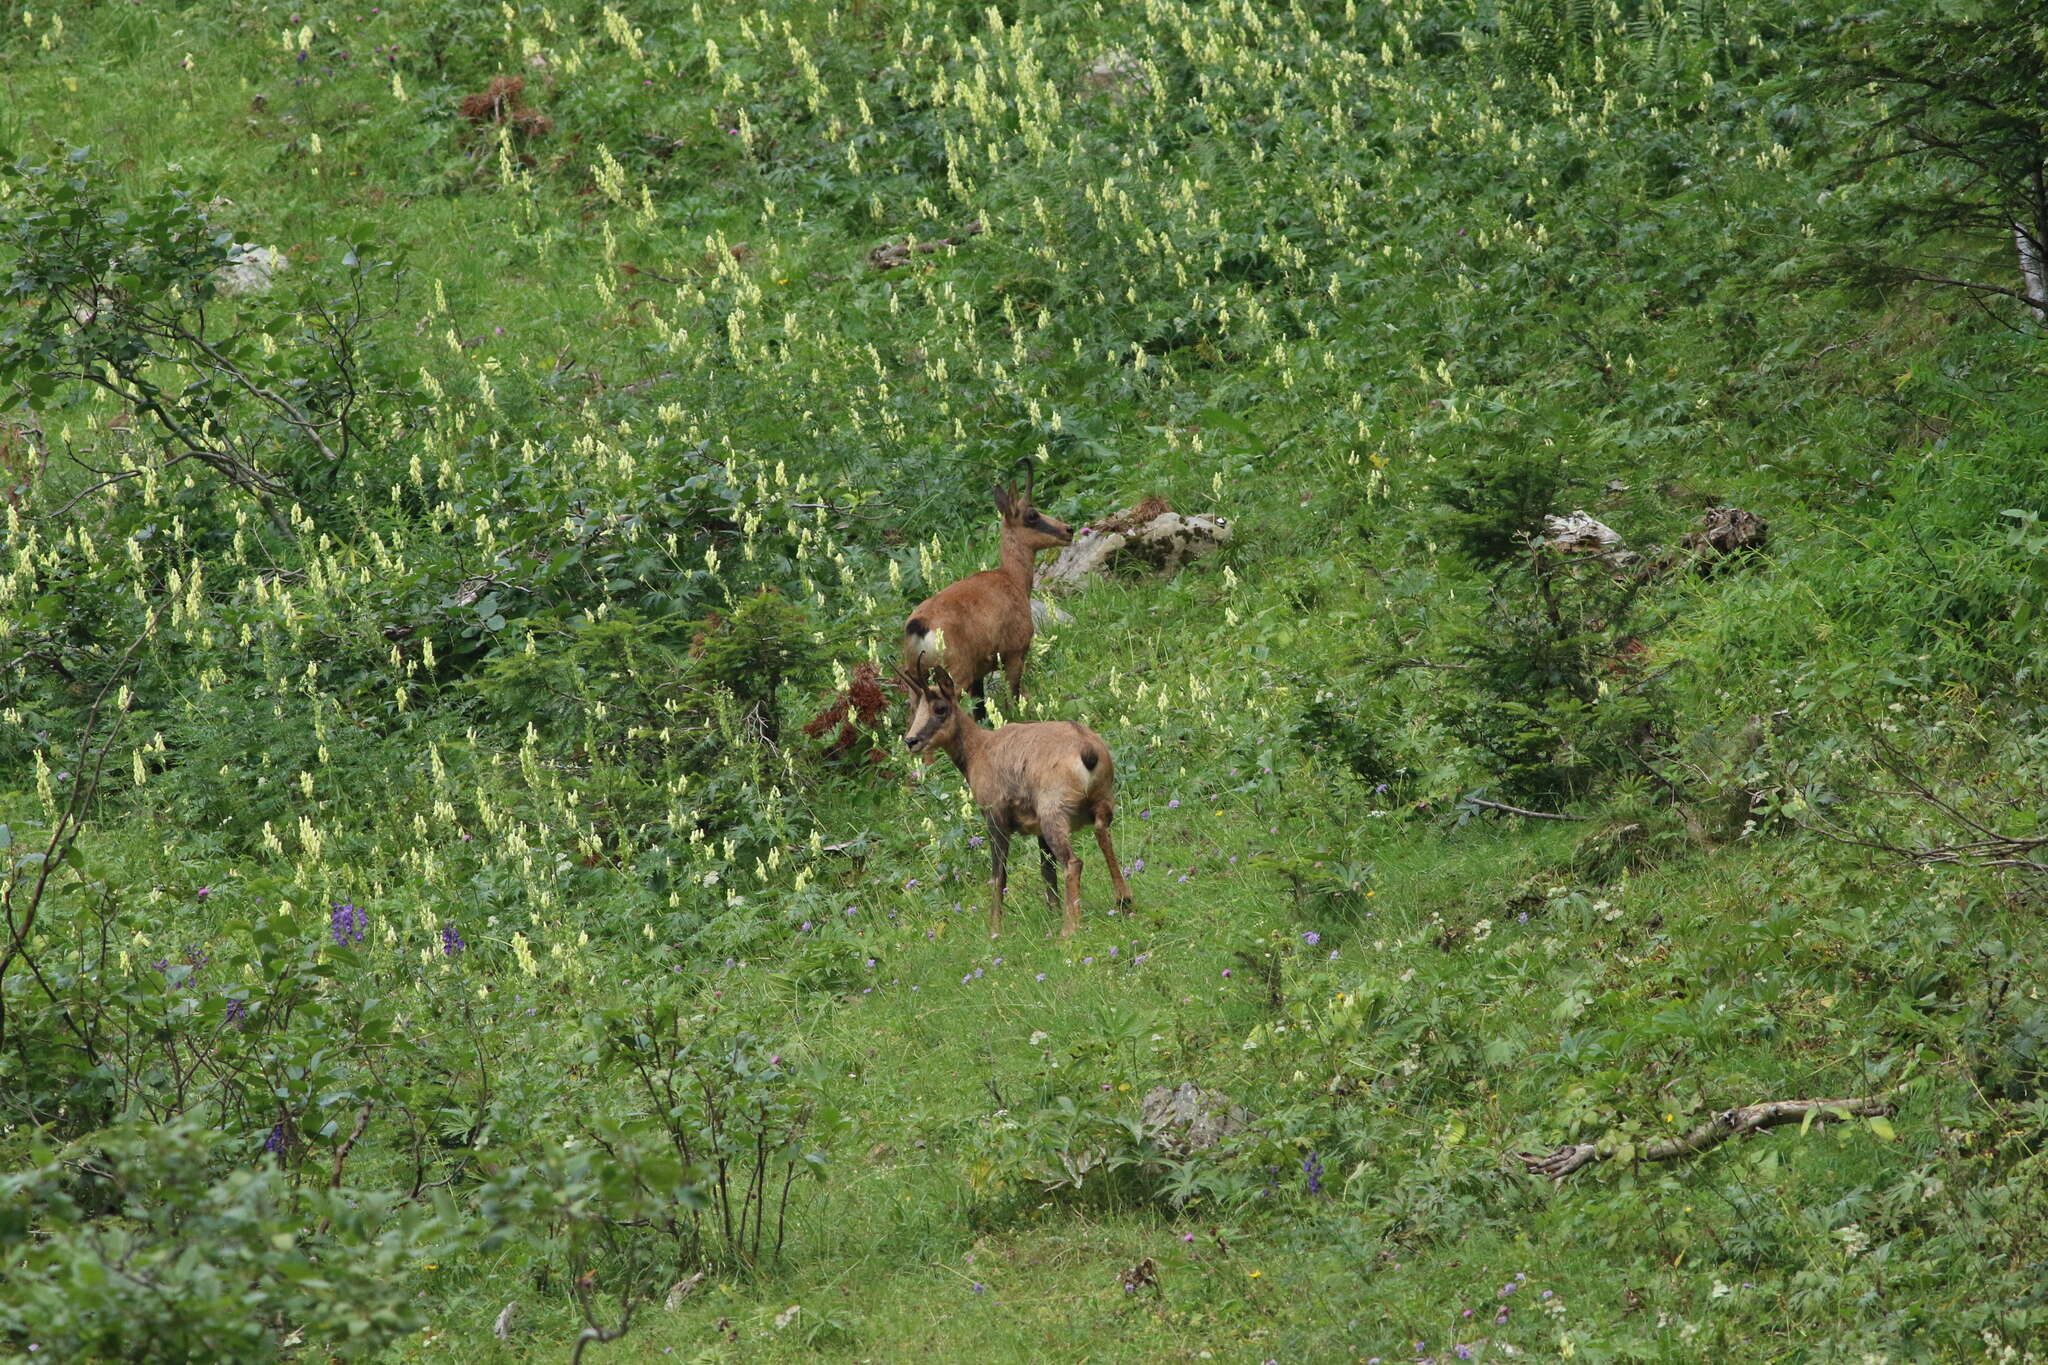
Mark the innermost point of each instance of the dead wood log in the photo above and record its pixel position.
(1729, 1123)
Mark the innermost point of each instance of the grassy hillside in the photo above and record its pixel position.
(434, 934)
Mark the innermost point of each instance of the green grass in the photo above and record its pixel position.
(1300, 281)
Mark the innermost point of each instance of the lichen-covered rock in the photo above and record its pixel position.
(1726, 531)
(1044, 615)
(1579, 533)
(250, 269)
(1150, 537)
(1117, 77)
(1186, 1118)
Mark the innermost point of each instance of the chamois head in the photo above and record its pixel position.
(934, 713)
(1037, 530)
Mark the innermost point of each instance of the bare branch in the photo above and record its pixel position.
(593, 1333)
(1517, 810)
(1729, 1123)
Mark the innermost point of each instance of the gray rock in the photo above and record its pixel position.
(1186, 1118)
(1579, 533)
(250, 269)
(1044, 615)
(1117, 77)
(1162, 545)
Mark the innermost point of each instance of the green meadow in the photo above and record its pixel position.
(466, 466)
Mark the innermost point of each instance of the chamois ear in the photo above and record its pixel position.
(1006, 500)
(943, 686)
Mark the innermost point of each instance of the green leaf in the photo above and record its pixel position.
(1882, 1126)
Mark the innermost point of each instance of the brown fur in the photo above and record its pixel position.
(983, 621)
(1026, 779)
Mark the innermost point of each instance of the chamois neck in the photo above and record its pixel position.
(1017, 559)
(965, 743)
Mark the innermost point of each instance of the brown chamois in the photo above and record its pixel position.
(1027, 779)
(983, 622)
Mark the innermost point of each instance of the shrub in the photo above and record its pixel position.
(148, 1242)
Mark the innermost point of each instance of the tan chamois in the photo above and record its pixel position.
(1027, 779)
(982, 622)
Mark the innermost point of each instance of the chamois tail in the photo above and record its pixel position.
(920, 647)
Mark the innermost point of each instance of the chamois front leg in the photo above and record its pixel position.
(980, 694)
(1013, 669)
(1051, 872)
(999, 873)
(1061, 844)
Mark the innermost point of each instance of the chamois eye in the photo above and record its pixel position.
(942, 710)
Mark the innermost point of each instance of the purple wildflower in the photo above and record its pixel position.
(237, 1012)
(277, 1140)
(1313, 1169)
(347, 925)
(451, 940)
(202, 893)
(1311, 938)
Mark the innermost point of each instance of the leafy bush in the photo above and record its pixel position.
(161, 1241)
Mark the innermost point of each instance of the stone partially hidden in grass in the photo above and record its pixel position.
(1148, 537)
(1186, 1118)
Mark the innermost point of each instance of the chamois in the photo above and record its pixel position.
(1026, 779)
(982, 622)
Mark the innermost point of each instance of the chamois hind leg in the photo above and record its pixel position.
(979, 691)
(1105, 815)
(1059, 841)
(999, 874)
(1051, 872)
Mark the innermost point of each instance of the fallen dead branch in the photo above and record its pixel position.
(892, 254)
(1985, 845)
(1517, 810)
(1729, 1123)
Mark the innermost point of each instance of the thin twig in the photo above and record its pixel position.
(1517, 810)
